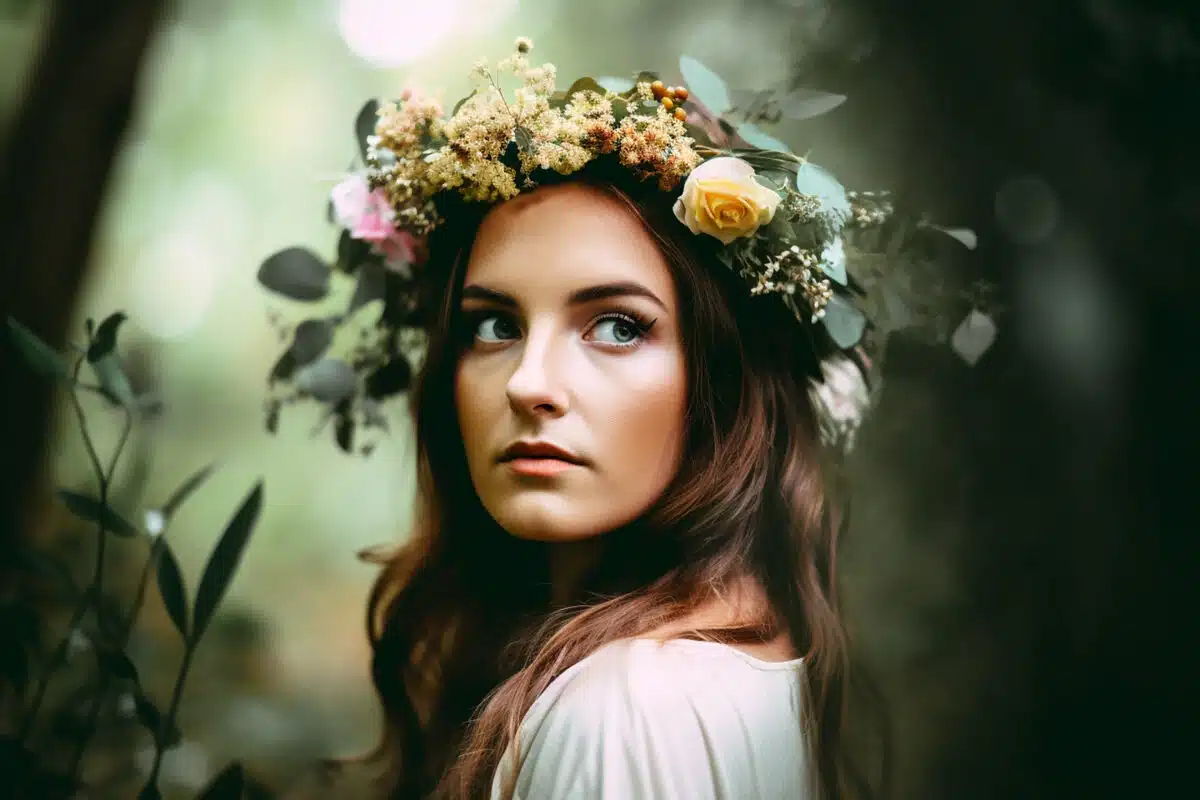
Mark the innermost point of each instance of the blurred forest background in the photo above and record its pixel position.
(1018, 570)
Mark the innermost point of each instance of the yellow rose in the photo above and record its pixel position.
(721, 198)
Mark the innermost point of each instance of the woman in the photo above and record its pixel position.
(621, 582)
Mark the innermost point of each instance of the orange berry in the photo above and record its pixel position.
(681, 115)
(668, 103)
(658, 89)
(681, 94)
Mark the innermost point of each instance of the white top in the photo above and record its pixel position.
(680, 720)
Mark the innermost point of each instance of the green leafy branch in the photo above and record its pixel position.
(16, 759)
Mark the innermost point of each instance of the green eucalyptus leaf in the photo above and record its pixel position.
(833, 261)
(820, 183)
(223, 563)
(39, 355)
(371, 286)
(310, 340)
(171, 587)
(296, 273)
(844, 322)
(351, 252)
(706, 85)
(760, 138)
(329, 380)
(584, 85)
(229, 785)
(91, 510)
(105, 340)
(616, 85)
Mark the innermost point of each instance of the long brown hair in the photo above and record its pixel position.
(463, 630)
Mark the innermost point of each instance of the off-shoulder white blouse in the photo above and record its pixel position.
(680, 720)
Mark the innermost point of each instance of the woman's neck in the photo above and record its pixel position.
(570, 563)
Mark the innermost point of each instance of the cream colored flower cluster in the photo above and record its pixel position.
(791, 271)
(417, 155)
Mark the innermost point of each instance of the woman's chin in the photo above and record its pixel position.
(544, 517)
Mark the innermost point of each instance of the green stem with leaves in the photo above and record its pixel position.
(172, 712)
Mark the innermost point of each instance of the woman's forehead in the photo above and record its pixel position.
(564, 238)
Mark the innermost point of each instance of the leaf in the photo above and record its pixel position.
(117, 665)
(296, 273)
(390, 379)
(351, 252)
(819, 182)
(90, 509)
(364, 125)
(39, 355)
(759, 138)
(328, 380)
(149, 792)
(462, 102)
(584, 85)
(797, 104)
(833, 260)
(616, 85)
(152, 719)
(223, 563)
(194, 482)
(371, 286)
(524, 138)
(172, 587)
(973, 337)
(105, 340)
(344, 432)
(964, 236)
(114, 381)
(310, 341)
(844, 322)
(272, 421)
(705, 85)
(284, 369)
(229, 785)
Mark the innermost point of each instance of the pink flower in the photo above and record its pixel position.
(365, 213)
(368, 216)
(400, 250)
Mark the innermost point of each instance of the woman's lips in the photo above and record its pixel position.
(539, 466)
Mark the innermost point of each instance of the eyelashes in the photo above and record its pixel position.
(619, 330)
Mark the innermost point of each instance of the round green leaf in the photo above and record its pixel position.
(329, 380)
(819, 182)
(615, 85)
(706, 85)
(844, 322)
(296, 273)
(759, 138)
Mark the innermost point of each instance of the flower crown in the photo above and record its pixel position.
(782, 223)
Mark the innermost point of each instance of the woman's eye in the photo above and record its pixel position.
(616, 330)
(496, 329)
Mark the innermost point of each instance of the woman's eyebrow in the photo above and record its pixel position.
(589, 294)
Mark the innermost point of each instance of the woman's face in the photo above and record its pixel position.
(576, 356)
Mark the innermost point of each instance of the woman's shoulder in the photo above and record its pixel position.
(702, 718)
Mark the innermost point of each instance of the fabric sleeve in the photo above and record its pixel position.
(632, 726)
